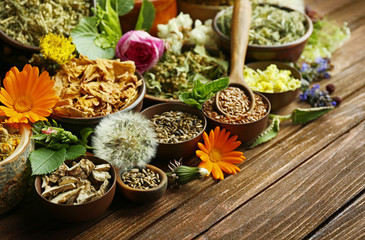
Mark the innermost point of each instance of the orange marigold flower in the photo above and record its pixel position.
(27, 95)
(217, 153)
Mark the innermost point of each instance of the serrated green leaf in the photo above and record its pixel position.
(75, 151)
(85, 133)
(271, 132)
(146, 16)
(44, 160)
(304, 115)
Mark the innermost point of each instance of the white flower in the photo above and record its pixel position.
(125, 139)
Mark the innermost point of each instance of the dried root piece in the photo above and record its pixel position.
(76, 184)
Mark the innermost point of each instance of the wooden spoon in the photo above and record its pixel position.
(241, 21)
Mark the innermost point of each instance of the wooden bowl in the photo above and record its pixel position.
(15, 172)
(198, 11)
(279, 100)
(246, 132)
(144, 195)
(75, 124)
(289, 52)
(171, 151)
(16, 53)
(81, 212)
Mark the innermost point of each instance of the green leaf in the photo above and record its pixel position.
(203, 92)
(271, 132)
(44, 160)
(146, 16)
(75, 151)
(84, 36)
(124, 6)
(304, 115)
(85, 133)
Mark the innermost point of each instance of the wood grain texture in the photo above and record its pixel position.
(216, 202)
(307, 196)
(350, 224)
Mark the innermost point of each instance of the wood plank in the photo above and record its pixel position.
(350, 224)
(194, 216)
(174, 198)
(297, 204)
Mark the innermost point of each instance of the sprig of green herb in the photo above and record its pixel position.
(203, 92)
(298, 116)
(57, 144)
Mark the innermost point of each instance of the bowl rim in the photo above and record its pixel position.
(162, 184)
(38, 182)
(244, 124)
(303, 38)
(138, 100)
(196, 112)
(26, 131)
(26, 47)
(290, 68)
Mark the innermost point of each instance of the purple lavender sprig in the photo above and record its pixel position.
(317, 98)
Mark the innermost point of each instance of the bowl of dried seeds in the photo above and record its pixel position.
(179, 128)
(78, 190)
(142, 185)
(246, 125)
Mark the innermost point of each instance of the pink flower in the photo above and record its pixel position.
(140, 47)
(49, 131)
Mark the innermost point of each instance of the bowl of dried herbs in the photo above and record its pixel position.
(179, 128)
(177, 73)
(23, 23)
(276, 32)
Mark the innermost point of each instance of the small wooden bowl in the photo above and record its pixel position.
(289, 52)
(171, 151)
(246, 132)
(81, 212)
(279, 100)
(144, 195)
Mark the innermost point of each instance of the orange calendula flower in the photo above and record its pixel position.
(217, 153)
(27, 95)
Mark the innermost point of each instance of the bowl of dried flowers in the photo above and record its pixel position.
(78, 190)
(179, 128)
(142, 185)
(277, 81)
(91, 89)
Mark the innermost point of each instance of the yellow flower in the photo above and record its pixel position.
(27, 95)
(217, 153)
(57, 48)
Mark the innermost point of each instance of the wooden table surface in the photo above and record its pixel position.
(309, 182)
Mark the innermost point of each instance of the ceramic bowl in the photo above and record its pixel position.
(199, 11)
(151, 100)
(75, 124)
(171, 151)
(246, 132)
(144, 195)
(16, 53)
(289, 52)
(81, 212)
(15, 172)
(278, 100)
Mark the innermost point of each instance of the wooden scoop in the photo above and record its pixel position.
(241, 21)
